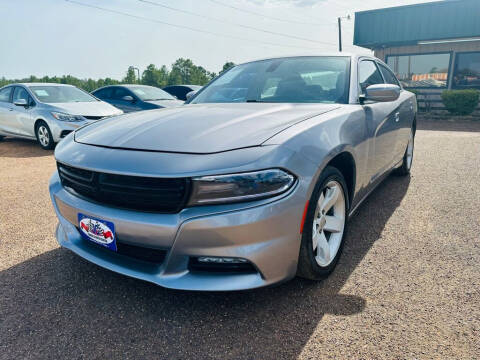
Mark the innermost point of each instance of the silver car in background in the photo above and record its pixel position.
(248, 185)
(48, 112)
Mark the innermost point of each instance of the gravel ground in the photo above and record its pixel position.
(407, 286)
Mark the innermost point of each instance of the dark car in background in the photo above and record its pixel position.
(181, 91)
(131, 98)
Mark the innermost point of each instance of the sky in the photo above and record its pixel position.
(102, 38)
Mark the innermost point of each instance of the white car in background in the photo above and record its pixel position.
(48, 112)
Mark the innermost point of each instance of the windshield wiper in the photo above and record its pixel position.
(157, 99)
(255, 101)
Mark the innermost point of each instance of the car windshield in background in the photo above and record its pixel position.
(61, 94)
(147, 93)
(288, 80)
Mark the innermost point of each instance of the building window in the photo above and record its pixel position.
(422, 70)
(467, 71)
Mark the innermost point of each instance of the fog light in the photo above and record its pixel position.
(221, 260)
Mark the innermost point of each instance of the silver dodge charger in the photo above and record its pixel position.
(249, 184)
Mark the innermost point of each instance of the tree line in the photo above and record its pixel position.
(182, 71)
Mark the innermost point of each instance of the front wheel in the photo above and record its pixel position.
(44, 136)
(324, 227)
(406, 166)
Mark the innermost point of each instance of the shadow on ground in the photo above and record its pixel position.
(21, 148)
(443, 125)
(58, 305)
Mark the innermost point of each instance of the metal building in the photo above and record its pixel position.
(430, 46)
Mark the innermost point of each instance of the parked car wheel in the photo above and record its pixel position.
(44, 136)
(1, 137)
(404, 170)
(325, 225)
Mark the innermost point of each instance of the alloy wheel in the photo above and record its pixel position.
(43, 135)
(328, 223)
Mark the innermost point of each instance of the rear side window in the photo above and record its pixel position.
(5, 94)
(179, 92)
(368, 74)
(388, 75)
(104, 93)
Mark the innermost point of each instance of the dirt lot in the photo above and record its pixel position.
(407, 287)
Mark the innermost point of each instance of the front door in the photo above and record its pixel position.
(405, 112)
(22, 115)
(382, 121)
(126, 105)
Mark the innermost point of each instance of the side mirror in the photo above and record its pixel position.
(190, 94)
(21, 102)
(128, 98)
(382, 92)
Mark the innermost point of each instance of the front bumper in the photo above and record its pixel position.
(61, 129)
(266, 233)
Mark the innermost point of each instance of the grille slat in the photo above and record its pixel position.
(162, 195)
(93, 117)
(137, 188)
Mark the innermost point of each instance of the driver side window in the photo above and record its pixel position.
(21, 93)
(119, 93)
(368, 74)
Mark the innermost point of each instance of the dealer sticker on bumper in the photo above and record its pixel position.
(98, 231)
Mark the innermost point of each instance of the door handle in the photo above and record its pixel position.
(397, 117)
(11, 109)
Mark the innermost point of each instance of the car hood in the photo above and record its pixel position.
(166, 103)
(92, 108)
(201, 129)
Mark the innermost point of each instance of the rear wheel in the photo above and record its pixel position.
(325, 226)
(406, 166)
(44, 136)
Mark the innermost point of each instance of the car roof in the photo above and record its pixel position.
(41, 84)
(140, 85)
(327, 54)
(123, 85)
(185, 85)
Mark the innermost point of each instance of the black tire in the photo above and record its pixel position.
(1, 137)
(404, 169)
(307, 265)
(42, 131)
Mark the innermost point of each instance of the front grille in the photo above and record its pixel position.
(156, 256)
(131, 192)
(93, 117)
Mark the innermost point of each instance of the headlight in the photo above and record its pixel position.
(240, 187)
(67, 117)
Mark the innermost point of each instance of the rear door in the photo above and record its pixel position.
(22, 115)
(381, 118)
(6, 109)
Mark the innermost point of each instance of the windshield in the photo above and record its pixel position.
(288, 80)
(60, 94)
(148, 93)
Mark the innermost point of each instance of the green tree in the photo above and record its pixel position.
(155, 77)
(184, 71)
(228, 65)
(130, 77)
